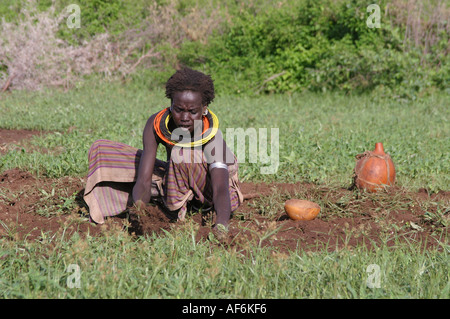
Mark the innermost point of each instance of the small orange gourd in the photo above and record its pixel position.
(299, 209)
(374, 170)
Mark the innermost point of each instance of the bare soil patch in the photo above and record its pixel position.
(14, 139)
(358, 220)
(32, 209)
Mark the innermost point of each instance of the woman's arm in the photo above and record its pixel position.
(142, 188)
(218, 152)
(221, 195)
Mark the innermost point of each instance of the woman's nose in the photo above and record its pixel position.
(185, 117)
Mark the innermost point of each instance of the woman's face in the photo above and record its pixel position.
(186, 109)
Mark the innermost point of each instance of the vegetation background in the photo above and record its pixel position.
(250, 47)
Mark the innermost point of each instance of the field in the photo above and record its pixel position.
(403, 232)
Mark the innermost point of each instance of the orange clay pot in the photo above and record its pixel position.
(298, 209)
(374, 170)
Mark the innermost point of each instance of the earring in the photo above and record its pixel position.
(205, 113)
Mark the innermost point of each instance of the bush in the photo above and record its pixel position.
(255, 47)
(320, 46)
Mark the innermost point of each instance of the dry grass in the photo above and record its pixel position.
(423, 21)
(32, 56)
(35, 57)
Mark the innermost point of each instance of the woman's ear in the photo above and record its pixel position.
(205, 110)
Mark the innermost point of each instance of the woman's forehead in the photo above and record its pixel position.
(187, 97)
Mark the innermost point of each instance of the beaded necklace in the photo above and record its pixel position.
(210, 127)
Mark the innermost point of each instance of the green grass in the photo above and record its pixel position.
(320, 134)
(116, 266)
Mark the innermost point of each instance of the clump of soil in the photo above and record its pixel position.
(152, 220)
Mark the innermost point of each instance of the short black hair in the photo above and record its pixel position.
(188, 79)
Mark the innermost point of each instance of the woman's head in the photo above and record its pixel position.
(190, 93)
(187, 79)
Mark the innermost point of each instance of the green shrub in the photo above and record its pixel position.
(318, 46)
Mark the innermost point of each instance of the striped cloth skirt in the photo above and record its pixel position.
(183, 179)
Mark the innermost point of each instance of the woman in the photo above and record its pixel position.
(200, 170)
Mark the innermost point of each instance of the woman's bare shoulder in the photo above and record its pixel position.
(151, 119)
(149, 130)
